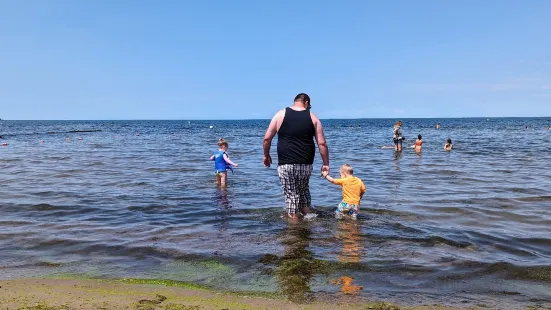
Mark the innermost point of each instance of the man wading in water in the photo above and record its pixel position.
(296, 127)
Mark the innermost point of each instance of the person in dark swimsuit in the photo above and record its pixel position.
(397, 137)
(296, 128)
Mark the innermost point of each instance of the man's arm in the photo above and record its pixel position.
(268, 137)
(322, 144)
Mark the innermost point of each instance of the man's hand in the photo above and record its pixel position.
(267, 160)
(325, 169)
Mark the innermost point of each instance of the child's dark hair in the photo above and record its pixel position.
(419, 137)
(449, 141)
(222, 143)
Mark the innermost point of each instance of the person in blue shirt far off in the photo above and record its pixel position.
(222, 162)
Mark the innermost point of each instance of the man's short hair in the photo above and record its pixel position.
(302, 97)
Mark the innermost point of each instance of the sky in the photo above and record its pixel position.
(215, 59)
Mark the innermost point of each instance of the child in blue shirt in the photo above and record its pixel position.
(222, 162)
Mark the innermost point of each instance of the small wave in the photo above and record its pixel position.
(42, 264)
(15, 223)
(150, 208)
(505, 270)
(176, 169)
(90, 130)
(63, 158)
(44, 207)
(11, 160)
(95, 164)
(535, 199)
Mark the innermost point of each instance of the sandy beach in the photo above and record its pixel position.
(54, 294)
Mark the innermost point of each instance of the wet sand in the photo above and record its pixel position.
(57, 294)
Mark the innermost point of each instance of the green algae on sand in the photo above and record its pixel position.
(182, 284)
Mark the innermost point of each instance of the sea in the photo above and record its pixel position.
(138, 199)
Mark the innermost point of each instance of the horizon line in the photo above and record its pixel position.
(267, 119)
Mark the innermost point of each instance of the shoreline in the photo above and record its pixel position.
(65, 294)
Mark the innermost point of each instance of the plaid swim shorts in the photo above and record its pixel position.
(295, 181)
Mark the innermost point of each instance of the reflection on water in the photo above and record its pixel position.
(397, 157)
(346, 285)
(349, 234)
(296, 267)
(224, 206)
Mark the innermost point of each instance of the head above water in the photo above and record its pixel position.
(398, 123)
(303, 99)
(346, 169)
(449, 141)
(419, 137)
(222, 143)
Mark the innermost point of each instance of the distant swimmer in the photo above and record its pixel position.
(41, 141)
(418, 144)
(222, 163)
(548, 127)
(437, 125)
(137, 134)
(353, 190)
(449, 145)
(4, 144)
(80, 138)
(67, 139)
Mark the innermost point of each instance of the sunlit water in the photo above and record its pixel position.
(471, 226)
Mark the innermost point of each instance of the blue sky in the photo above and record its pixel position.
(105, 59)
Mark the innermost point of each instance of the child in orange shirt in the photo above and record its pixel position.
(353, 190)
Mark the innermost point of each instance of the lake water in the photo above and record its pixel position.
(467, 227)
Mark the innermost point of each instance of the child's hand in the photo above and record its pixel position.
(324, 174)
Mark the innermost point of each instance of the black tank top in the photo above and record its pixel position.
(295, 138)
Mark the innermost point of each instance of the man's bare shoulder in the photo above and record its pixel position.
(279, 115)
(315, 119)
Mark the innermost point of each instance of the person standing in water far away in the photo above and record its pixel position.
(418, 146)
(296, 128)
(398, 138)
(449, 145)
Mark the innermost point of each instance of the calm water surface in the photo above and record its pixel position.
(463, 228)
